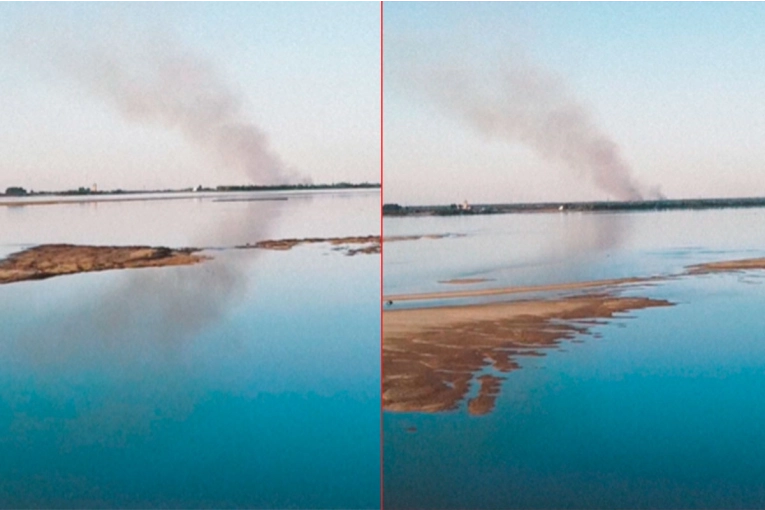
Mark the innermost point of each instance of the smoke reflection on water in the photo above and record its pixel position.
(127, 356)
(591, 237)
(138, 341)
(570, 247)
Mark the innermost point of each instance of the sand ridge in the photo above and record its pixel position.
(431, 355)
(373, 243)
(47, 261)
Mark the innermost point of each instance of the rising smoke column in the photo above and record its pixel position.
(517, 102)
(150, 319)
(149, 78)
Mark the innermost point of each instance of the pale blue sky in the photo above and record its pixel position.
(680, 87)
(307, 73)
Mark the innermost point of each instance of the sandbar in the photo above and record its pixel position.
(345, 244)
(49, 260)
(524, 289)
(464, 281)
(342, 243)
(430, 355)
(727, 266)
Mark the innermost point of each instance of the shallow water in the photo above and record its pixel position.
(251, 380)
(664, 410)
(535, 249)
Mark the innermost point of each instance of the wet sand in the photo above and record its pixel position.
(47, 261)
(487, 395)
(344, 244)
(341, 243)
(465, 281)
(431, 356)
(727, 266)
(499, 291)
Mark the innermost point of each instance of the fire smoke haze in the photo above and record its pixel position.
(158, 83)
(174, 95)
(515, 102)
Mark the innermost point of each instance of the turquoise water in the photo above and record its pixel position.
(251, 380)
(663, 410)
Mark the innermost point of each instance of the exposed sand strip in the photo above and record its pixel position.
(343, 243)
(51, 260)
(431, 355)
(727, 266)
(557, 287)
(46, 261)
(465, 281)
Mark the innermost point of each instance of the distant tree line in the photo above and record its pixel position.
(15, 191)
(82, 190)
(286, 187)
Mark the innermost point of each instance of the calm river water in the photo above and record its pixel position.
(664, 410)
(251, 380)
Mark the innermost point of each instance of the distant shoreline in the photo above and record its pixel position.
(58, 197)
(549, 207)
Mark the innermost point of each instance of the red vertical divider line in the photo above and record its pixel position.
(382, 250)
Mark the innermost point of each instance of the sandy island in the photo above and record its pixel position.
(499, 291)
(431, 356)
(47, 261)
(726, 266)
(371, 244)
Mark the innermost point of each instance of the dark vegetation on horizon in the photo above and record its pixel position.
(641, 205)
(17, 191)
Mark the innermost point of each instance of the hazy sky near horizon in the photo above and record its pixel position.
(474, 94)
(265, 92)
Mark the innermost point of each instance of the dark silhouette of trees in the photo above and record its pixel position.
(15, 191)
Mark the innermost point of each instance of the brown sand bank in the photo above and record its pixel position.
(342, 243)
(49, 260)
(390, 239)
(430, 355)
(726, 266)
(465, 281)
(499, 291)
(46, 261)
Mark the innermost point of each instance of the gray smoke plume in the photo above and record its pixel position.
(181, 91)
(149, 321)
(151, 79)
(517, 102)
